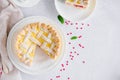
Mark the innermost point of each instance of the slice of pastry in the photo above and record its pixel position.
(37, 34)
(78, 3)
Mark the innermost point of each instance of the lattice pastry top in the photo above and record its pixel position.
(37, 34)
(78, 3)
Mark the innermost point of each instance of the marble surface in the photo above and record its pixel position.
(97, 49)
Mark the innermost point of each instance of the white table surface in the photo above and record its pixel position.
(101, 41)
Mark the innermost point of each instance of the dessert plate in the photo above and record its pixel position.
(42, 63)
(25, 3)
(72, 13)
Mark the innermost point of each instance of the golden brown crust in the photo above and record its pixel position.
(47, 30)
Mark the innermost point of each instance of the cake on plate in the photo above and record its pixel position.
(37, 34)
(82, 4)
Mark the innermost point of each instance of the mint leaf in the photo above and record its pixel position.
(74, 37)
(61, 19)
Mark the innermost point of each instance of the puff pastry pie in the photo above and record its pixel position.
(78, 3)
(37, 34)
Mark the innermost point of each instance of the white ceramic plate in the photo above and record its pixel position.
(27, 3)
(72, 13)
(42, 63)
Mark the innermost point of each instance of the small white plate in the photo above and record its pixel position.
(27, 3)
(72, 13)
(42, 63)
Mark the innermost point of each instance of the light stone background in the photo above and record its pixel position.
(101, 41)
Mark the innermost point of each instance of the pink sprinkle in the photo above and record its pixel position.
(88, 24)
(73, 47)
(67, 33)
(71, 52)
(70, 55)
(82, 23)
(76, 27)
(51, 79)
(60, 69)
(68, 21)
(81, 28)
(63, 69)
(83, 47)
(70, 32)
(76, 23)
(67, 24)
(79, 36)
(62, 65)
(68, 78)
(77, 54)
(71, 58)
(65, 21)
(57, 76)
(71, 23)
(67, 64)
(69, 43)
(66, 61)
(80, 45)
(83, 61)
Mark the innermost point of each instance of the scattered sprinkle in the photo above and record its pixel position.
(76, 27)
(75, 52)
(73, 47)
(83, 47)
(82, 23)
(71, 52)
(60, 69)
(68, 21)
(62, 65)
(88, 24)
(70, 55)
(79, 36)
(83, 61)
(76, 23)
(71, 24)
(71, 58)
(81, 28)
(67, 33)
(63, 69)
(57, 76)
(70, 32)
(69, 43)
(68, 78)
(80, 45)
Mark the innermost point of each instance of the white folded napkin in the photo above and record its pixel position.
(9, 15)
